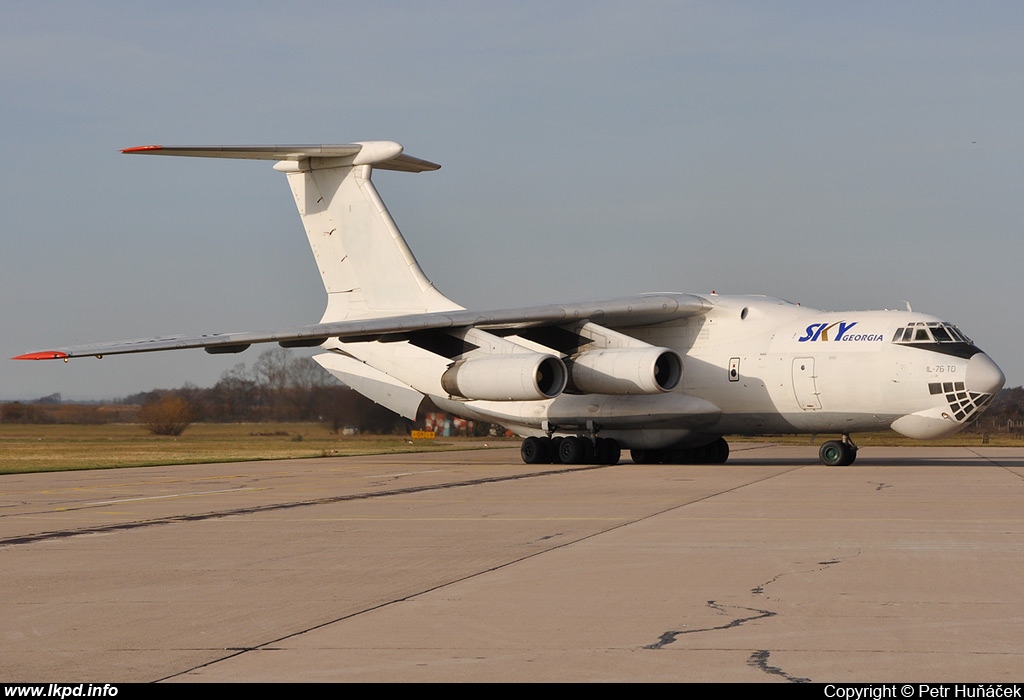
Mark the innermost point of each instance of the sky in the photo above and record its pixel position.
(846, 156)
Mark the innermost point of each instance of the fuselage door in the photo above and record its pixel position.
(805, 385)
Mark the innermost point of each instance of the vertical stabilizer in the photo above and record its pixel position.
(366, 266)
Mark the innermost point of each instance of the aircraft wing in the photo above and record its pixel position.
(620, 313)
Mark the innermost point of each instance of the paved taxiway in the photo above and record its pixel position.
(471, 566)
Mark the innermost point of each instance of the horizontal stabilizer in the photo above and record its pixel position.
(384, 155)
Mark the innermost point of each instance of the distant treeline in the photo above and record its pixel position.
(281, 388)
(278, 387)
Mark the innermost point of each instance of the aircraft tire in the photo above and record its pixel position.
(642, 456)
(534, 451)
(614, 451)
(721, 451)
(608, 451)
(551, 450)
(836, 454)
(572, 451)
(682, 455)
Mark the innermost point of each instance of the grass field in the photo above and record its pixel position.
(36, 448)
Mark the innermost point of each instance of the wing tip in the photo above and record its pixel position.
(44, 355)
(141, 149)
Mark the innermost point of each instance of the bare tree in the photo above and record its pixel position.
(235, 396)
(271, 373)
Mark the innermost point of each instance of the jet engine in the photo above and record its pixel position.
(620, 371)
(516, 377)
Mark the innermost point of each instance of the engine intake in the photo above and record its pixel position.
(517, 377)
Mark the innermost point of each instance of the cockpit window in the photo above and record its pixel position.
(931, 332)
(957, 333)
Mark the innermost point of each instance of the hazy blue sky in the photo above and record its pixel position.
(843, 155)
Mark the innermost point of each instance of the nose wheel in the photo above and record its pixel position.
(838, 453)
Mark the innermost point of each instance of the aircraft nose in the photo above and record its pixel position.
(983, 375)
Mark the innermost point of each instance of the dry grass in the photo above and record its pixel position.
(36, 448)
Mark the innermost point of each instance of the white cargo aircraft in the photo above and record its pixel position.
(664, 375)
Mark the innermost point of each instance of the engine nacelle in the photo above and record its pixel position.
(517, 377)
(627, 371)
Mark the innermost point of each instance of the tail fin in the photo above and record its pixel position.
(366, 265)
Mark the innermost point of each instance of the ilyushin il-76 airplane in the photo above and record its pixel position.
(664, 375)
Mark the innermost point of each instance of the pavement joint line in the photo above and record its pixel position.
(468, 577)
(270, 507)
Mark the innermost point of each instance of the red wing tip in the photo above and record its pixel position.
(45, 355)
(141, 149)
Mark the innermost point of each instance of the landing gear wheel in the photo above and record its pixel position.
(572, 451)
(643, 456)
(719, 451)
(556, 446)
(535, 451)
(837, 454)
(851, 454)
(831, 453)
(614, 451)
(682, 455)
(608, 451)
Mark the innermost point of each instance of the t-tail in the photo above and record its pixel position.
(366, 266)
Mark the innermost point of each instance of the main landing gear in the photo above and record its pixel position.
(570, 450)
(838, 453)
(716, 452)
(585, 450)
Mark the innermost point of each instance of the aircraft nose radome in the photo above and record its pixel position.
(984, 375)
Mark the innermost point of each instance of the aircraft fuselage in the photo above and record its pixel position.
(755, 365)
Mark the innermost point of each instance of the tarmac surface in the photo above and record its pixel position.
(471, 566)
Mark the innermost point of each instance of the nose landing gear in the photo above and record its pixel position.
(838, 453)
